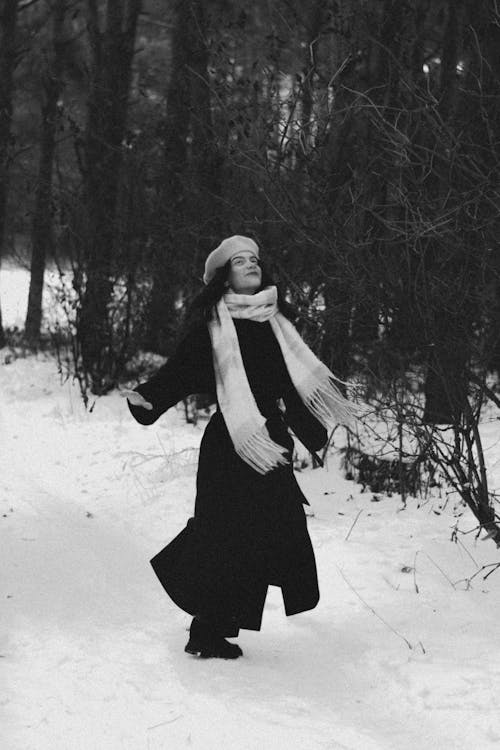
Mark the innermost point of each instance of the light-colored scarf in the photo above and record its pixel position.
(312, 379)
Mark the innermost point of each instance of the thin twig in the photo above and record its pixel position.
(440, 570)
(162, 446)
(467, 551)
(493, 566)
(373, 611)
(415, 573)
(353, 525)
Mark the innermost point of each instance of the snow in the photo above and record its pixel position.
(91, 648)
(14, 289)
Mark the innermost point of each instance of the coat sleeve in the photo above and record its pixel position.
(306, 427)
(188, 370)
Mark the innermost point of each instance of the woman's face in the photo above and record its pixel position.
(245, 274)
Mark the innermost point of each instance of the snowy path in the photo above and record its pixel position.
(91, 650)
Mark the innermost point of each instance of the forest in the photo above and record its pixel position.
(358, 142)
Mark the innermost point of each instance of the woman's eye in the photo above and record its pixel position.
(240, 261)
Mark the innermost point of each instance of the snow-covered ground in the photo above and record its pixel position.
(399, 654)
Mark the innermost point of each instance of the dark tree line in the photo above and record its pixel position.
(358, 142)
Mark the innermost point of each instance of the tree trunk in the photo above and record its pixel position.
(187, 223)
(313, 40)
(112, 55)
(161, 314)
(336, 342)
(42, 220)
(205, 158)
(493, 360)
(446, 383)
(448, 321)
(485, 79)
(8, 22)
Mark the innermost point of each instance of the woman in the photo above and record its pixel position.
(249, 527)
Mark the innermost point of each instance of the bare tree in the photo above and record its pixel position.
(187, 219)
(112, 52)
(8, 23)
(41, 236)
(171, 196)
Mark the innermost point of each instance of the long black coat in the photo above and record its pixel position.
(248, 530)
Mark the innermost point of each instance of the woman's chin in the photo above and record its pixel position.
(250, 289)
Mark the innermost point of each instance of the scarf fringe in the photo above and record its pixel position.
(261, 452)
(328, 404)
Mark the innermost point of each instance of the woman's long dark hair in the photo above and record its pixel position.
(201, 307)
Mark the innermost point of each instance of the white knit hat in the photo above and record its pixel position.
(227, 248)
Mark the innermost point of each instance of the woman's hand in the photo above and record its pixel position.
(136, 399)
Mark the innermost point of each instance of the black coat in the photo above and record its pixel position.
(248, 530)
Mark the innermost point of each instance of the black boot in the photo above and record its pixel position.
(204, 641)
